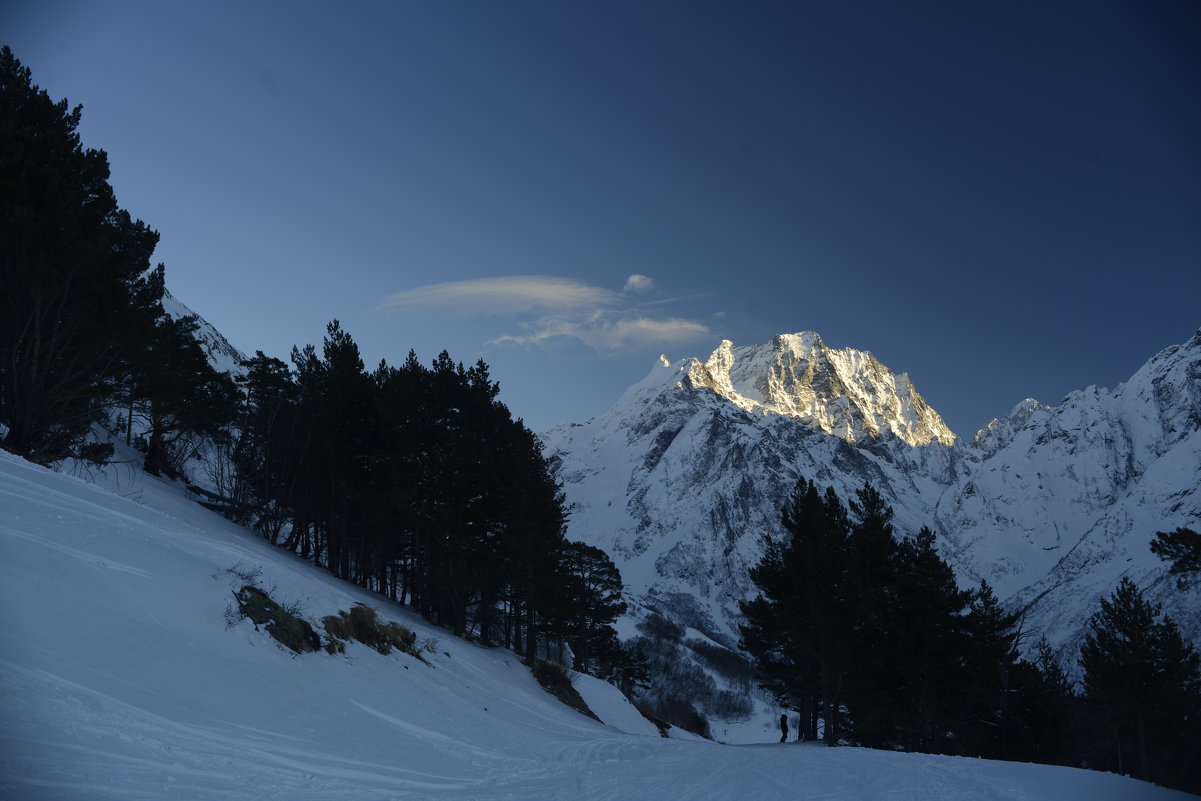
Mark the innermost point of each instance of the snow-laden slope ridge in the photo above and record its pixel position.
(1054, 504)
(120, 680)
(683, 478)
(223, 356)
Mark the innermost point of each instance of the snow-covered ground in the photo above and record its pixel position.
(119, 679)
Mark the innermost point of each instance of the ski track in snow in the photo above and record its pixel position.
(83, 556)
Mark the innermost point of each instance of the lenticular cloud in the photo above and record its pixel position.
(547, 308)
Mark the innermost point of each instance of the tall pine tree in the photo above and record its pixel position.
(76, 297)
(1142, 684)
(796, 627)
(182, 398)
(1182, 549)
(871, 682)
(593, 596)
(928, 666)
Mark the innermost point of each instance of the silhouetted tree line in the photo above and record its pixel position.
(414, 481)
(82, 328)
(870, 639)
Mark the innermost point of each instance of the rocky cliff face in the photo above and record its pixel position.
(1054, 504)
(846, 393)
(685, 476)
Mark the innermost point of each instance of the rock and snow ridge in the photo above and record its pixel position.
(847, 393)
(684, 477)
(1055, 504)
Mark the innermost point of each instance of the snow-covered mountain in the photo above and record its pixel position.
(1054, 504)
(684, 477)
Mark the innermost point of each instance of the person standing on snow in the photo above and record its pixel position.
(784, 728)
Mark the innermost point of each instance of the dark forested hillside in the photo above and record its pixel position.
(413, 481)
(417, 482)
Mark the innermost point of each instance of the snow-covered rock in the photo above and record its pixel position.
(847, 392)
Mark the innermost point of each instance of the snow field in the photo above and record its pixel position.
(119, 679)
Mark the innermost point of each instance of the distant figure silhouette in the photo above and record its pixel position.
(784, 728)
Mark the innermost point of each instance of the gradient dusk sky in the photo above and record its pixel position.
(1002, 199)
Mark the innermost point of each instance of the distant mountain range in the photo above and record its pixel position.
(681, 481)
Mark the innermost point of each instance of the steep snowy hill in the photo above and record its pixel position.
(683, 478)
(223, 356)
(122, 678)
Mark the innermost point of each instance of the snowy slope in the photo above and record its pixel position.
(223, 356)
(684, 477)
(119, 679)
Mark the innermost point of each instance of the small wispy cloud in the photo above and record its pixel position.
(512, 294)
(547, 308)
(638, 283)
(607, 334)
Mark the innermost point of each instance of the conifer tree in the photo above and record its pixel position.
(796, 627)
(534, 540)
(930, 603)
(872, 617)
(769, 636)
(265, 438)
(344, 438)
(988, 722)
(181, 396)
(627, 667)
(1042, 710)
(77, 299)
(593, 596)
(405, 433)
(873, 638)
(1182, 548)
(1142, 685)
(417, 482)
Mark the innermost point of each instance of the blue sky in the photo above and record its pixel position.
(1003, 200)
